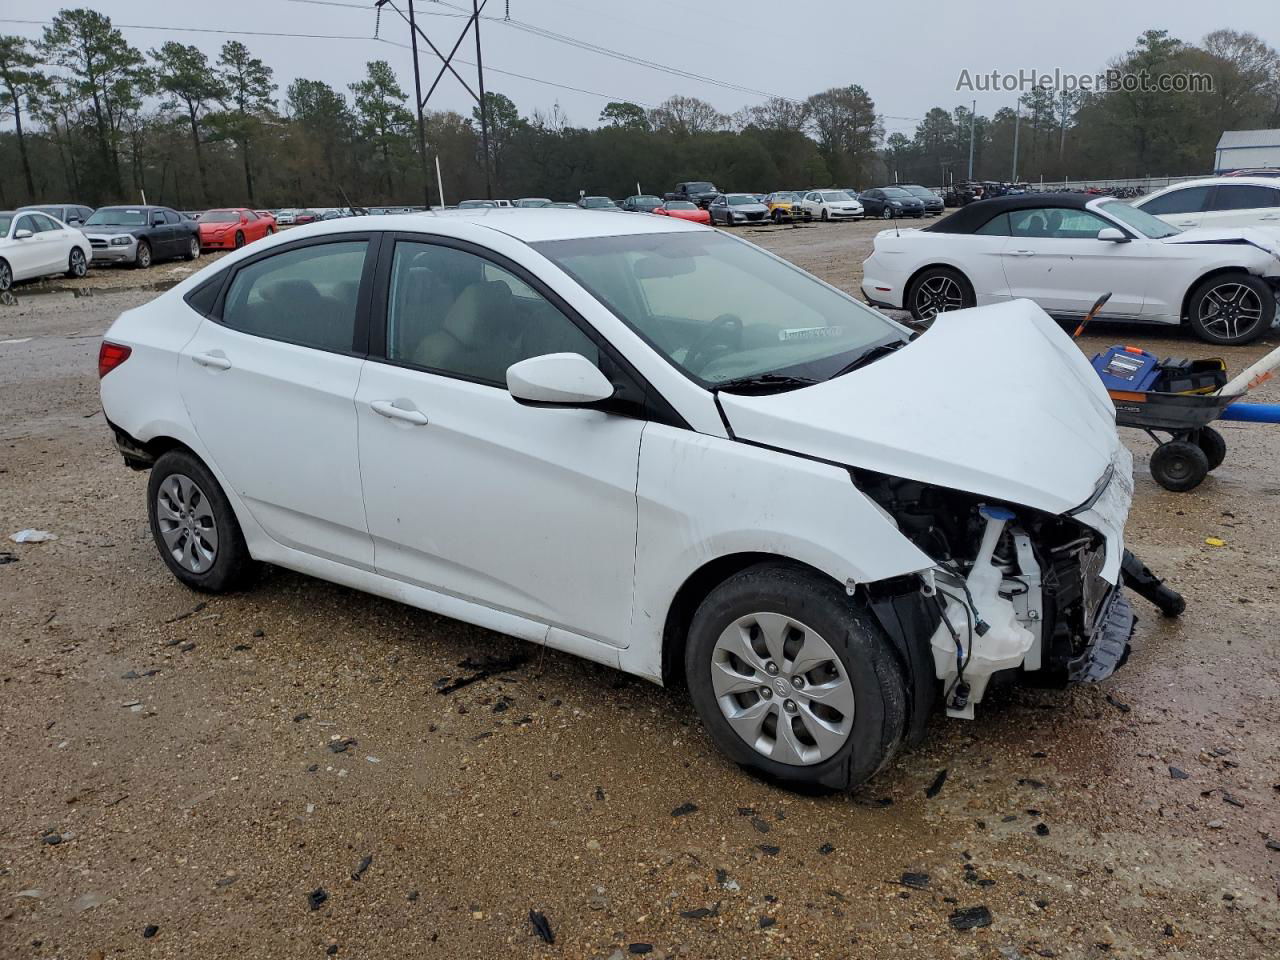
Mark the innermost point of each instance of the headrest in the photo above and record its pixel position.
(286, 291)
(475, 315)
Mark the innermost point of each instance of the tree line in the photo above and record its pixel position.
(91, 118)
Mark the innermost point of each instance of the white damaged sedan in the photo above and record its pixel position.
(649, 444)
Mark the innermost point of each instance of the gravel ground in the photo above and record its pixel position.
(208, 777)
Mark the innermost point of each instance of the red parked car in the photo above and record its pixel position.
(683, 210)
(232, 228)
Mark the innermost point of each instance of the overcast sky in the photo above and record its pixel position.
(908, 54)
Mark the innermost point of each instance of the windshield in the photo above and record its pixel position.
(896, 193)
(681, 205)
(117, 218)
(738, 199)
(700, 187)
(475, 204)
(835, 195)
(533, 202)
(720, 309)
(1140, 220)
(646, 199)
(923, 193)
(221, 216)
(598, 202)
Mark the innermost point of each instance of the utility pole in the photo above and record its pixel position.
(1017, 118)
(484, 107)
(971, 113)
(417, 99)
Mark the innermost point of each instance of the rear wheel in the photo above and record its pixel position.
(77, 265)
(193, 248)
(193, 524)
(936, 291)
(1213, 444)
(1179, 466)
(1232, 308)
(795, 680)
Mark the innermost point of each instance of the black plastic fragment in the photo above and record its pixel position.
(483, 669)
(916, 881)
(935, 788)
(361, 867)
(684, 809)
(966, 918)
(541, 926)
(316, 898)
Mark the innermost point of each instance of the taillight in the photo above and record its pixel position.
(110, 356)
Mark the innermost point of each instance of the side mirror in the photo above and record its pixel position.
(22, 234)
(1112, 235)
(558, 379)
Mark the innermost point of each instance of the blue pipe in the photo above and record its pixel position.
(1252, 412)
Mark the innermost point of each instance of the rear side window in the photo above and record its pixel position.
(307, 296)
(1190, 200)
(171, 217)
(995, 227)
(204, 297)
(1244, 196)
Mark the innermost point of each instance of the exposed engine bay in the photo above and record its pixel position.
(1015, 591)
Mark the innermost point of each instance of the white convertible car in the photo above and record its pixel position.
(650, 444)
(1063, 251)
(34, 244)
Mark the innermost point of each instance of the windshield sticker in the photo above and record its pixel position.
(810, 333)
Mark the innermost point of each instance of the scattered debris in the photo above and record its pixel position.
(52, 838)
(967, 918)
(299, 717)
(316, 898)
(361, 867)
(1233, 800)
(135, 675)
(684, 809)
(935, 788)
(1215, 824)
(1179, 774)
(1215, 541)
(541, 926)
(641, 948)
(769, 850)
(1118, 704)
(761, 825)
(190, 613)
(482, 671)
(32, 536)
(916, 881)
(1028, 782)
(701, 913)
(600, 793)
(342, 744)
(7, 558)
(149, 931)
(826, 848)
(766, 922)
(1273, 845)
(1042, 829)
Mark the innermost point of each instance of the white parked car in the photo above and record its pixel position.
(37, 245)
(285, 218)
(1217, 202)
(831, 205)
(1064, 250)
(649, 444)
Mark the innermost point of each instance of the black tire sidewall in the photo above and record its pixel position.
(965, 286)
(1167, 453)
(1214, 446)
(233, 563)
(820, 603)
(1259, 286)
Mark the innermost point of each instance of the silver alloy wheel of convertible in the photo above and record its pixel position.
(1230, 310)
(184, 517)
(937, 295)
(782, 688)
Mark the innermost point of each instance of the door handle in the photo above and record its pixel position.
(1186, 223)
(386, 408)
(216, 360)
(1022, 253)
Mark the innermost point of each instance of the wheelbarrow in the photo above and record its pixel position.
(1179, 399)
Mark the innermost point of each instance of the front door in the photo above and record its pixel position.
(523, 509)
(270, 386)
(1242, 205)
(1054, 257)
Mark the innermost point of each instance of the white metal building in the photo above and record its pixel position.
(1243, 149)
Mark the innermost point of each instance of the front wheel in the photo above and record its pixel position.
(142, 259)
(1214, 446)
(938, 290)
(826, 217)
(886, 213)
(77, 265)
(239, 241)
(6, 275)
(794, 680)
(1179, 466)
(1232, 308)
(193, 525)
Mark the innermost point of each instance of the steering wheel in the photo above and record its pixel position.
(725, 333)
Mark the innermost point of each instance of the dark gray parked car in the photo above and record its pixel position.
(141, 235)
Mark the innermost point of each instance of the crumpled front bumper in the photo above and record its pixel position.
(1108, 646)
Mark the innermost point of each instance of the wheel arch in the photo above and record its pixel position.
(1184, 312)
(936, 265)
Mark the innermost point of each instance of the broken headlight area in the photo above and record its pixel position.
(1014, 591)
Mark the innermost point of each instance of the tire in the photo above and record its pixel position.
(1232, 308)
(239, 241)
(826, 218)
(1214, 446)
(776, 216)
(193, 249)
(886, 212)
(189, 514)
(6, 275)
(1179, 466)
(77, 265)
(856, 658)
(270, 231)
(938, 290)
(142, 259)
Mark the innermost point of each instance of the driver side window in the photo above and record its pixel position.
(1055, 223)
(456, 313)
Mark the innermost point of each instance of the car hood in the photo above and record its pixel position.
(996, 401)
(1260, 237)
(106, 230)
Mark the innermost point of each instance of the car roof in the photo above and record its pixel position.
(1222, 181)
(976, 215)
(529, 225)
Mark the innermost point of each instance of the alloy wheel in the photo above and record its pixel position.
(6, 276)
(78, 265)
(936, 295)
(782, 689)
(1230, 310)
(186, 523)
(195, 247)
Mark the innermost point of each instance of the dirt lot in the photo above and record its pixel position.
(183, 774)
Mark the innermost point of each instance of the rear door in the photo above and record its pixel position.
(1182, 207)
(1054, 257)
(270, 383)
(1242, 205)
(55, 243)
(29, 256)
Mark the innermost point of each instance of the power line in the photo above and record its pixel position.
(240, 33)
